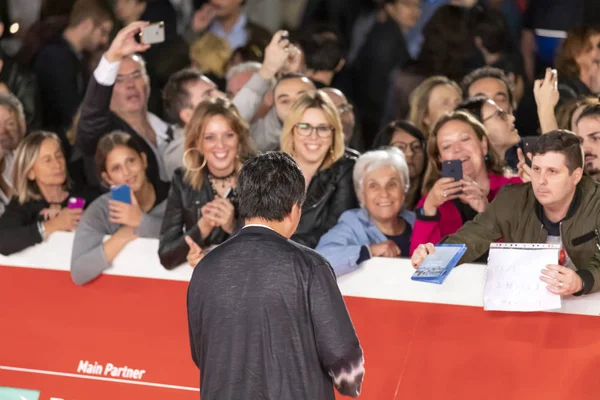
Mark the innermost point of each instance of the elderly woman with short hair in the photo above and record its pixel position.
(381, 227)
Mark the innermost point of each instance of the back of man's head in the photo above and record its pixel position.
(563, 142)
(97, 10)
(269, 185)
(323, 49)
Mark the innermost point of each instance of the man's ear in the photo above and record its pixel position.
(478, 42)
(340, 65)
(186, 115)
(577, 175)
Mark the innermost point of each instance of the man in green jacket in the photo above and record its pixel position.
(560, 205)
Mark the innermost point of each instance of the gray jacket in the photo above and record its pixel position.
(264, 132)
(88, 259)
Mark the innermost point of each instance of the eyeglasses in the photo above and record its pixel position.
(499, 112)
(345, 108)
(323, 131)
(415, 147)
(135, 75)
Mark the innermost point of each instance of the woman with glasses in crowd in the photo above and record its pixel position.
(201, 209)
(120, 162)
(41, 193)
(382, 226)
(432, 99)
(408, 138)
(312, 134)
(500, 127)
(448, 204)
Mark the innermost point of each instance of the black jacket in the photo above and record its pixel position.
(267, 321)
(181, 219)
(18, 224)
(23, 84)
(96, 121)
(329, 194)
(384, 49)
(571, 87)
(61, 79)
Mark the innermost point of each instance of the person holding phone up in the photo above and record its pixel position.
(134, 209)
(201, 210)
(41, 194)
(472, 178)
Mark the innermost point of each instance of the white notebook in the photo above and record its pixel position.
(513, 277)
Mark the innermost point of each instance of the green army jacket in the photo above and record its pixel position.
(515, 216)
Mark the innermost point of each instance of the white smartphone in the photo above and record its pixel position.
(153, 33)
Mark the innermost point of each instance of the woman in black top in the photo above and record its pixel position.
(313, 136)
(203, 198)
(42, 192)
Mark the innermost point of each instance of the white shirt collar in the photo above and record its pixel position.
(260, 225)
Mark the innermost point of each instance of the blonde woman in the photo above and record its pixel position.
(201, 208)
(432, 99)
(312, 134)
(39, 207)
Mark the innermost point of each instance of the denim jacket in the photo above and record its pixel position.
(341, 246)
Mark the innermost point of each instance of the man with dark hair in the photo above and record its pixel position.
(262, 303)
(60, 67)
(561, 205)
(492, 83)
(324, 55)
(588, 128)
(346, 111)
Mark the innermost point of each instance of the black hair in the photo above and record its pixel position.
(269, 185)
(176, 96)
(492, 28)
(590, 111)
(384, 137)
(474, 106)
(323, 48)
(447, 43)
(487, 72)
(564, 142)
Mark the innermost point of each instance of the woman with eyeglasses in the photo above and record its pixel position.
(499, 125)
(312, 134)
(447, 204)
(408, 138)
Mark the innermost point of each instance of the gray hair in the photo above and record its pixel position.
(13, 104)
(251, 66)
(248, 66)
(375, 159)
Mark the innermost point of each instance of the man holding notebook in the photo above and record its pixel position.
(560, 205)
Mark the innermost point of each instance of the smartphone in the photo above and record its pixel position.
(528, 148)
(452, 169)
(153, 33)
(121, 193)
(75, 203)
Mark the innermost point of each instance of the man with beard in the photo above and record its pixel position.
(588, 128)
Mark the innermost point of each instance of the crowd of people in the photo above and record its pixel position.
(103, 109)
(369, 99)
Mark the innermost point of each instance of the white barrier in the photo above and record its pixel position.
(379, 278)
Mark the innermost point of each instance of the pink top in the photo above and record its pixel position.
(432, 230)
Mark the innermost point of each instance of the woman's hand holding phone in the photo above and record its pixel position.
(125, 214)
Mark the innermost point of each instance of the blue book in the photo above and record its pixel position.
(438, 265)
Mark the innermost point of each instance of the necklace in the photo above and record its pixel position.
(221, 181)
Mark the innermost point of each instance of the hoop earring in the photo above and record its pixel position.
(185, 154)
